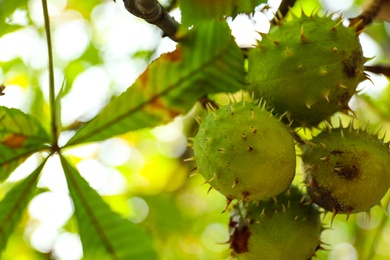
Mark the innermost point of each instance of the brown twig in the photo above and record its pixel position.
(367, 16)
(379, 69)
(283, 9)
(384, 13)
(153, 12)
(2, 87)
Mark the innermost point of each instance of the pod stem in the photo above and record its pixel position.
(379, 69)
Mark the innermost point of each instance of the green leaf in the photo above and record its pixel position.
(207, 60)
(104, 234)
(20, 136)
(194, 12)
(247, 6)
(14, 203)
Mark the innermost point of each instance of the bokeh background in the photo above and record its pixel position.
(99, 51)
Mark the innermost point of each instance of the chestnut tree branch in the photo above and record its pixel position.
(153, 12)
(367, 16)
(283, 9)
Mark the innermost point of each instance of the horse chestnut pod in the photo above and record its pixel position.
(346, 170)
(287, 227)
(245, 152)
(309, 67)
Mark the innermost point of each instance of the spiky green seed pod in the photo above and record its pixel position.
(309, 66)
(245, 152)
(285, 228)
(346, 170)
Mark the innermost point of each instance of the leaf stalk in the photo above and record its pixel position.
(53, 107)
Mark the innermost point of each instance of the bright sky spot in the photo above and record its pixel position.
(68, 246)
(375, 86)
(123, 35)
(378, 83)
(13, 45)
(19, 17)
(51, 208)
(173, 149)
(16, 93)
(139, 209)
(338, 234)
(43, 237)
(343, 251)
(169, 132)
(243, 30)
(44, 82)
(52, 176)
(337, 6)
(105, 180)
(371, 49)
(114, 152)
(176, 14)
(166, 45)
(25, 168)
(261, 23)
(171, 141)
(363, 221)
(71, 38)
(89, 93)
(124, 73)
(35, 9)
(65, 137)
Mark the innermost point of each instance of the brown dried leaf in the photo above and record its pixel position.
(14, 140)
